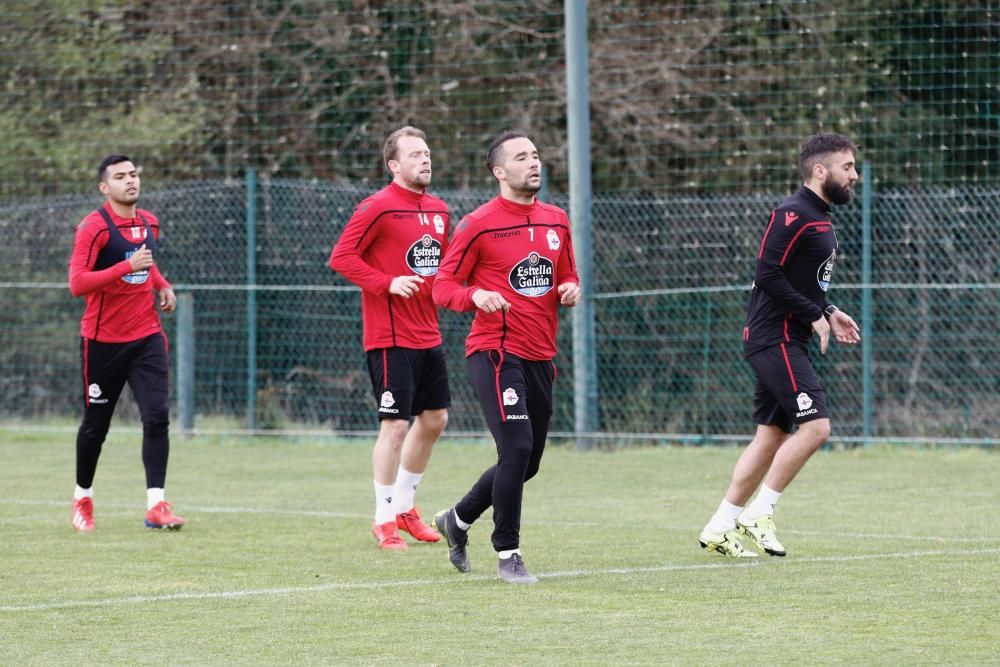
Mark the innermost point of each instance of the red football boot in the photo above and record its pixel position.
(162, 516)
(412, 523)
(83, 515)
(388, 536)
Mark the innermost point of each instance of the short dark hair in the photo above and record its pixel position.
(493, 154)
(817, 147)
(390, 149)
(102, 168)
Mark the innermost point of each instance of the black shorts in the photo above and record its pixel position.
(787, 390)
(142, 363)
(406, 382)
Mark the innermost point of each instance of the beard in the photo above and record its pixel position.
(527, 187)
(837, 193)
(418, 182)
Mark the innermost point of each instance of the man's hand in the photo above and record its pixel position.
(569, 294)
(822, 329)
(405, 286)
(141, 259)
(490, 302)
(844, 328)
(168, 302)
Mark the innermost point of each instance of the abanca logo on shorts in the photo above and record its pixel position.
(386, 403)
(805, 405)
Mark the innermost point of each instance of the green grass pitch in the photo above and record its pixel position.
(894, 558)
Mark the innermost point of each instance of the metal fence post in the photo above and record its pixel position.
(868, 323)
(585, 399)
(706, 358)
(185, 362)
(251, 298)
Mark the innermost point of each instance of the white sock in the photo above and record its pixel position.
(154, 497)
(80, 492)
(384, 508)
(405, 489)
(764, 503)
(458, 521)
(725, 517)
(507, 554)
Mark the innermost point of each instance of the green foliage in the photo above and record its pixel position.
(81, 83)
(697, 97)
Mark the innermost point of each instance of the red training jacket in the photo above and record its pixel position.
(395, 232)
(120, 307)
(524, 252)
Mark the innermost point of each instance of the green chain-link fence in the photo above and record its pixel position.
(672, 278)
(697, 110)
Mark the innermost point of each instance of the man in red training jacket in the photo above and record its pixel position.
(391, 249)
(511, 261)
(114, 266)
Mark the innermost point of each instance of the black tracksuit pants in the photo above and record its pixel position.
(516, 398)
(106, 368)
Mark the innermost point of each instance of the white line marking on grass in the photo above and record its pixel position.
(757, 562)
(265, 510)
(884, 536)
(374, 585)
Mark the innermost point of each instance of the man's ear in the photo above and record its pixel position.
(819, 171)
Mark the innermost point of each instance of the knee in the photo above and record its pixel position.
(434, 421)
(156, 421)
(394, 431)
(93, 432)
(817, 431)
(518, 453)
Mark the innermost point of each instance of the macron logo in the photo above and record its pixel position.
(791, 217)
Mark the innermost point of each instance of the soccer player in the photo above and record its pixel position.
(511, 261)
(114, 266)
(391, 249)
(787, 306)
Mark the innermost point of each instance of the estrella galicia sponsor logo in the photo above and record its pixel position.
(424, 256)
(136, 277)
(826, 271)
(532, 276)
